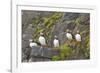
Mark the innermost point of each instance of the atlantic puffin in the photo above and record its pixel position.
(78, 37)
(56, 41)
(32, 43)
(42, 40)
(69, 35)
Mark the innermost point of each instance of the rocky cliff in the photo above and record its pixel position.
(56, 23)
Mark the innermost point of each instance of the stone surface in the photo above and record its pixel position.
(43, 52)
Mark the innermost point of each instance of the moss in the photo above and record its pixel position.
(77, 21)
(88, 41)
(87, 50)
(56, 16)
(46, 21)
(55, 58)
(50, 23)
(65, 51)
(62, 56)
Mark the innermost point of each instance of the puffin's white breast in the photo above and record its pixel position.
(56, 43)
(42, 40)
(78, 37)
(69, 36)
(33, 44)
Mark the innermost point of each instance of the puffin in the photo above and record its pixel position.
(69, 35)
(42, 40)
(32, 43)
(56, 41)
(78, 37)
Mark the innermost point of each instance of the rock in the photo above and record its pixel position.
(71, 16)
(43, 52)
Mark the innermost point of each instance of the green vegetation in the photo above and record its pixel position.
(77, 21)
(87, 50)
(55, 58)
(65, 52)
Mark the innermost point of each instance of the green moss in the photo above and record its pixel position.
(62, 56)
(88, 41)
(65, 51)
(77, 21)
(55, 58)
(56, 16)
(46, 21)
(50, 23)
(87, 50)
